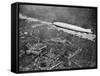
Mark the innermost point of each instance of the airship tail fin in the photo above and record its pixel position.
(89, 30)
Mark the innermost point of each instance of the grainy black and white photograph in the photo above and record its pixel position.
(57, 37)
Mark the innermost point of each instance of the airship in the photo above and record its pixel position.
(72, 27)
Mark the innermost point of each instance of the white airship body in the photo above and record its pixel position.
(73, 27)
